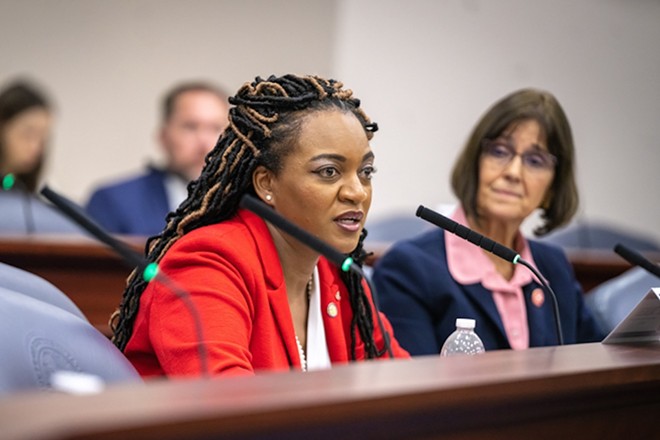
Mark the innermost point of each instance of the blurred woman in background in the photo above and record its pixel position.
(25, 127)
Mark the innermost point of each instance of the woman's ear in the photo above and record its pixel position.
(262, 179)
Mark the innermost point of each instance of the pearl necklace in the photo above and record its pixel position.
(301, 353)
(301, 350)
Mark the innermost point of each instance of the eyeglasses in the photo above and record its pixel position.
(501, 154)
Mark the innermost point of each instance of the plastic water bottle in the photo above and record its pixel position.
(464, 340)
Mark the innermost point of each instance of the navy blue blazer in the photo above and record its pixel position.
(137, 206)
(422, 300)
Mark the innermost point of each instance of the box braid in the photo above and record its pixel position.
(362, 313)
(264, 121)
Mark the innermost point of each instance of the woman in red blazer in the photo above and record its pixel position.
(265, 300)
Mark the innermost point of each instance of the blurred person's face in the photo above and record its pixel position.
(324, 185)
(24, 140)
(192, 130)
(509, 191)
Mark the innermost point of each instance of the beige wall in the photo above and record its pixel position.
(107, 63)
(425, 70)
(428, 69)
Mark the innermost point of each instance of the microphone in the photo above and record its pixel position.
(637, 259)
(267, 213)
(8, 182)
(468, 234)
(492, 246)
(345, 263)
(149, 270)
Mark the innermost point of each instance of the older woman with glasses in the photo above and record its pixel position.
(519, 158)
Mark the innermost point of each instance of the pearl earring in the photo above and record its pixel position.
(269, 197)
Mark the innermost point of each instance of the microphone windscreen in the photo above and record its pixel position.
(637, 259)
(436, 218)
(467, 234)
(270, 215)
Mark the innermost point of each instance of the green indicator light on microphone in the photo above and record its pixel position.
(8, 182)
(346, 265)
(150, 272)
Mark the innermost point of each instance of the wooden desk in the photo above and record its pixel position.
(94, 277)
(88, 272)
(589, 391)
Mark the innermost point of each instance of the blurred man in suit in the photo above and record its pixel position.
(194, 115)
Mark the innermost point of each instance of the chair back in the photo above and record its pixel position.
(23, 213)
(38, 339)
(611, 301)
(594, 235)
(19, 280)
(395, 227)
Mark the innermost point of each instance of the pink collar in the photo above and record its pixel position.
(469, 265)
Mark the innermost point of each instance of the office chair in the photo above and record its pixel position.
(595, 235)
(38, 339)
(613, 300)
(395, 227)
(402, 225)
(19, 280)
(24, 213)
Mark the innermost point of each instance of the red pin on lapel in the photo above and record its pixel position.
(538, 298)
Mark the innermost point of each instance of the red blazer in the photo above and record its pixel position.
(233, 274)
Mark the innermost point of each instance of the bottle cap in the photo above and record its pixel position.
(465, 323)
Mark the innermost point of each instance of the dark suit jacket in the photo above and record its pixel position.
(422, 300)
(137, 206)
